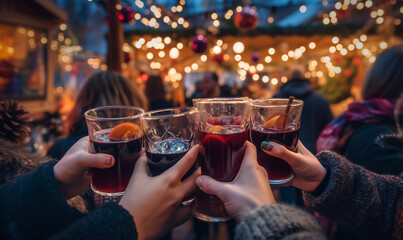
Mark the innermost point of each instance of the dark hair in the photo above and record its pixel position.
(101, 89)
(214, 76)
(385, 78)
(155, 89)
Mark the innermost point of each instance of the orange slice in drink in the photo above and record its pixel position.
(124, 131)
(279, 121)
(217, 129)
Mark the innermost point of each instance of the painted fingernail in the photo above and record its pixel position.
(266, 146)
(108, 160)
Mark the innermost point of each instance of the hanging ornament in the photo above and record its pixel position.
(348, 73)
(218, 58)
(126, 14)
(247, 19)
(255, 57)
(341, 13)
(357, 61)
(199, 43)
(127, 57)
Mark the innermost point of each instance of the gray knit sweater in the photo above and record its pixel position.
(368, 203)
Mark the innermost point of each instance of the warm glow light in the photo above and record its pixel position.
(383, 45)
(332, 49)
(203, 58)
(179, 45)
(195, 66)
(137, 16)
(284, 79)
(343, 51)
(220, 42)
(332, 14)
(326, 21)
(363, 38)
(150, 56)
(379, 20)
(265, 79)
(307, 75)
(32, 34)
(237, 57)
(312, 45)
(373, 14)
(242, 72)
(302, 9)
(359, 45)
(339, 47)
(255, 77)
(368, 3)
(337, 70)
(174, 53)
(365, 52)
(284, 57)
(351, 47)
(216, 50)
(326, 59)
(216, 23)
(267, 59)
(319, 74)
(188, 69)
(260, 67)
(242, 77)
(271, 51)
(270, 19)
(161, 54)
(167, 40)
(238, 47)
(337, 5)
(214, 16)
(360, 6)
(239, 8)
(372, 59)
(335, 40)
(252, 69)
(44, 40)
(274, 81)
(63, 27)
(332, 74)
(10, 50)
(174, 25)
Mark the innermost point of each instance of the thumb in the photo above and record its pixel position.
(214, 187)
(279, 151)
(99, 160)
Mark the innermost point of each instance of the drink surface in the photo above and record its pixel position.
(125, 152)
(276, 168)
(164, 154)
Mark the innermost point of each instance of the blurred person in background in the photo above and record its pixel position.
(101, 89)
(356, 132)
(155, 93)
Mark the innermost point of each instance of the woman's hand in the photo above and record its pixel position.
(308, 172)
(249, 190)
(71, 171)
(155, 202)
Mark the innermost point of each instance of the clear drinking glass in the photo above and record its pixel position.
(270, 122)
(114, 130)
(168, 135)
(223, 132)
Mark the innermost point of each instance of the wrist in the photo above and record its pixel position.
(322, 184)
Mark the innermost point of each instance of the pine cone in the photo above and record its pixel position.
(14, 123)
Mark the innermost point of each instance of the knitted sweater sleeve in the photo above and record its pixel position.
(33, 207)
(108, 222)
(278, 221)
(357, 198)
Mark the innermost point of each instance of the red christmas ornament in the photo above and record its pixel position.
(199, 43)
(219, 58)
(347, 73)
(247, 19)
(127, 57)
(357, 61)
(343, 13)
(338, 58)
(126, 14)
(255, 57)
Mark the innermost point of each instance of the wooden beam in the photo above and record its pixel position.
(115, 38)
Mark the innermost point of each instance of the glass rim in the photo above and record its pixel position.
(88, 117)
(223, 100)
(149, 113)
(295, 102)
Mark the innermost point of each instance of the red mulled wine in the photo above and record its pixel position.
(220, 159)
(125, 152)
(277, 169)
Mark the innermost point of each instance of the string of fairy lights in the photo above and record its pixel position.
(170, 54)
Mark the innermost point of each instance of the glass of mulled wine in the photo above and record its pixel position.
(114, 130)
(168, 135)
(223, 132)
(275, 120)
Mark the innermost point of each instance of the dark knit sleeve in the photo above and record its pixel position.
(108, 222)
(32, 205)
(278, 221)
(357, 198)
